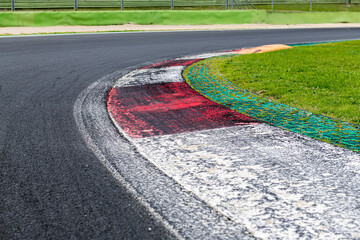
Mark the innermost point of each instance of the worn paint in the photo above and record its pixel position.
(168, 108)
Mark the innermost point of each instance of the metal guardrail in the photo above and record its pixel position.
(300, 5)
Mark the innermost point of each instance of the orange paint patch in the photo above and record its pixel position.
(262, 49)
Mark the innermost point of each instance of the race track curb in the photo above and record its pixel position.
(275, 183)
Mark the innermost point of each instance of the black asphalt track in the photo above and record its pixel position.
(51, 184)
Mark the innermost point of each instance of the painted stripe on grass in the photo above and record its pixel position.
(204, 79)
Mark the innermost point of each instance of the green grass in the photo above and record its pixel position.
(164, 17)
(323, 79)
(167, 17)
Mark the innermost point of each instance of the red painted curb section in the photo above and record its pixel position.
(173, 63)
(168, 108)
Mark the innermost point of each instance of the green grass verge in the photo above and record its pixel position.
(27, 19)
(166, 17)
(323, 79)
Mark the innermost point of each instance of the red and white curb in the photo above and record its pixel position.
(276, 183)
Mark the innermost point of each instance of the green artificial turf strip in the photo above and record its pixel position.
(323, 79)
(176, 17)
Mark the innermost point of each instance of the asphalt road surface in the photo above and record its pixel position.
(51, 184)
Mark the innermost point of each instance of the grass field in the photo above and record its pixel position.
(72, 18)
(323, 79)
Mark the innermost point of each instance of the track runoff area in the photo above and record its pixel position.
(272, 182)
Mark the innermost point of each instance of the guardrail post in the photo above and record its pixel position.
(347, 5)
(172, 4)
(226, 4)
(122, 5)
(12, 5)
(310, 5)
(272, 5)
(75, 5)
